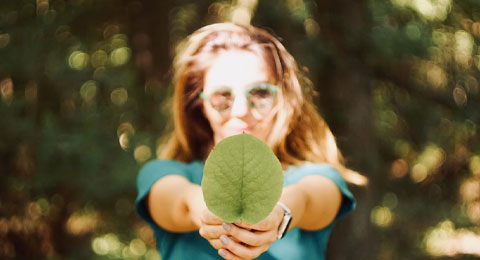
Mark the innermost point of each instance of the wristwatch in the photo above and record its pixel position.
(287, 218)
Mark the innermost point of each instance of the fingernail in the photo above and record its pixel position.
(224, 239)
(226, 226)
(222, 252)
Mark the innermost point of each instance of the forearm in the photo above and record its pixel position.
(170, 203)
(314, 202)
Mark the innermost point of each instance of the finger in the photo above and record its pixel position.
(212, 231)
(270, 222)
(216, 243)
(209, 218)
(242, 251)
(251, 237)
(263, 225)
(242, 224)
(228, 255)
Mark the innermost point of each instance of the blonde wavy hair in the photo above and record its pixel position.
(307, 139)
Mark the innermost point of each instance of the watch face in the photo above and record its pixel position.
(288, 225)
(287, 219)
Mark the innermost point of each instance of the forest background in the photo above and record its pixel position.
(83, 97)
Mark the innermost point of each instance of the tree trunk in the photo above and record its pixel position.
(345, 96)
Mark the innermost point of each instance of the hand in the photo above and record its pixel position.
(240, 240)
(196, 205)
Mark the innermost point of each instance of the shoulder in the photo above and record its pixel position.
(156, 169)
(313, 167)
(295, 173)
(162, 165)
(169, 166)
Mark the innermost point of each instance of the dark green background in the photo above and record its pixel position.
(83, 88)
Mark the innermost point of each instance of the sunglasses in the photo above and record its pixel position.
(260, 97)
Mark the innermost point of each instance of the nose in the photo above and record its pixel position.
(239, 106)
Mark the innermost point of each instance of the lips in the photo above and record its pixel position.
(236, 126)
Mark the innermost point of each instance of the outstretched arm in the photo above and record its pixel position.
(314, 201)
(176, 204)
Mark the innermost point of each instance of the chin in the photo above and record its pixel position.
(234, 133)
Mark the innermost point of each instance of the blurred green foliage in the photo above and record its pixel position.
(83, 87)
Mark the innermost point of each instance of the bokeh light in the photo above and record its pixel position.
(474, 165)
(242, 11)
(427, 162)
(78, 60)
(4, 40)
(82, 222)
(446, 240)
(120, 56)
(463, 47)
(399, 168)
(108, 244)
(436, 76)
(473, 212)
(124, 132)
(428, 9)
(470, 190)
(125, 127)
(6, 90)
(382, 216)
(123, 140)
(111, 246)
(459, 96)
(119, 96)
(142, 153)
(390, 200)
(42, 7)
(413, 31)
(88, 91)
(99, 58)
(137, 247)
(311, 27)
(419, 172)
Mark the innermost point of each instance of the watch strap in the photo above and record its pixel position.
(287, 219)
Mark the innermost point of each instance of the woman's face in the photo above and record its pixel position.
(237, 95)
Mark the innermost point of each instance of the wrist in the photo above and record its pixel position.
(296, 200)
(279, 214)
(193, 201)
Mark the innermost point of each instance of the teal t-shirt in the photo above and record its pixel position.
(296, 244)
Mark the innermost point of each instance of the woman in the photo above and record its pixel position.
(231, 79)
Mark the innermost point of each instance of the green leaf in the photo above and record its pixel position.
(242, 179)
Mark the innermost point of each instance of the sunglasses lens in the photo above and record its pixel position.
(261, 98)
(221, 100)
